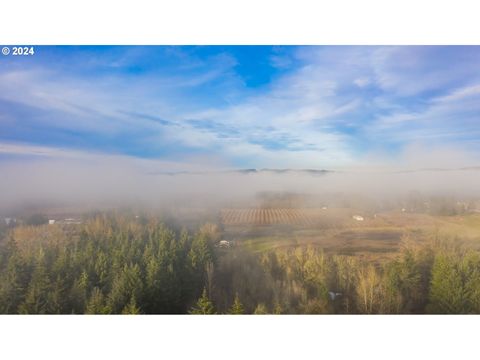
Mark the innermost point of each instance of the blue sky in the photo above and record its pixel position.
(240, 106)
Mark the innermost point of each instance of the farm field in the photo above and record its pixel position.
(305, 217)
(378, 236)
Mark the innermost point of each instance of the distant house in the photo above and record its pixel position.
(358, 217)
(224, 244)
(51, 222)
(10, 221)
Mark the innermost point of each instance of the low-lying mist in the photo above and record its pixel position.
(109, 183)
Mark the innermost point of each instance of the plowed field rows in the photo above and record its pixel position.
(271, 216)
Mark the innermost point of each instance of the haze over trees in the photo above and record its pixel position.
(118, 264)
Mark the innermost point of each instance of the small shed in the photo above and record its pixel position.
(224, 243)
(358, 217)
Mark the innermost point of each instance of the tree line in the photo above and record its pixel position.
(115, 264)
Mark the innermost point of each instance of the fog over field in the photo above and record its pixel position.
(52, 177)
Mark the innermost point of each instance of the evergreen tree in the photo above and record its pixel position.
(278, 309)
(96, 303)
(79, 293)
(203, 306)
(261, 309)
(14, 282)
(59, 297)
(237, 307)
(36, 300)
(131, 308)
(127, 285)
(447, 293)
(392, 296)
(471, 273)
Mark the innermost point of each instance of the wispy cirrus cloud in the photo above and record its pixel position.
(322, 106)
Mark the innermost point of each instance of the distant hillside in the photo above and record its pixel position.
(314, 172)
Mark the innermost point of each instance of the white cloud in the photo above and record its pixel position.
(459, 94)
(362, 82)
(54, 154)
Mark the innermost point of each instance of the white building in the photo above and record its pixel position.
(51, 222)
(358, 217)
(10, 221)
(224, 243)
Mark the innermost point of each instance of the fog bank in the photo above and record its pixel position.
(112, 183)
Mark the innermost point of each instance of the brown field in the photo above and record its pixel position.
(273, 216)
(304, 218)
(378, 237)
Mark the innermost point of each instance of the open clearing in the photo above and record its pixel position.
(334, 230)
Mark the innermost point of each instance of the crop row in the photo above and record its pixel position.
(270, 216)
